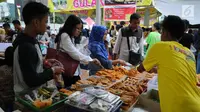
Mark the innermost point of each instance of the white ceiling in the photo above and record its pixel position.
(186, 9)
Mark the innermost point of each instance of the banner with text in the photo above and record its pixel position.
(137, 2)
(72, 5)
(75, 5)
(118, 13)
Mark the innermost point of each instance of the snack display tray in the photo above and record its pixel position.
(73, 108)
(141, 77)
(120, 80)
(35, 109)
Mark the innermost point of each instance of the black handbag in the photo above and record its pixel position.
(134, 58)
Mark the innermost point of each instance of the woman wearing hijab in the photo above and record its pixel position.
(98, 49)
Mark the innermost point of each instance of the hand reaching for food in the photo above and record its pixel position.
(121, 62)
(97, 62)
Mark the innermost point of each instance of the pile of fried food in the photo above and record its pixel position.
(92, 81)
(132, 72)
(130, 89)
(116, 73)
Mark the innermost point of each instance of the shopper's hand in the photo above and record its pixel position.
(54, 62)
(57, 70)
(121, 62)
(97, 62)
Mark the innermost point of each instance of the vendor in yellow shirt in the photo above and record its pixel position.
(177, 81)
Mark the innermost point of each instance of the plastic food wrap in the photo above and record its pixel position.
(101, 106)
(81, 98)
(99, 93)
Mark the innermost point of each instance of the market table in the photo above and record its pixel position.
(136, 80)
(118, 82)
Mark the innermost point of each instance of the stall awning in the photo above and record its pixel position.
(3, 1)
(75, 5)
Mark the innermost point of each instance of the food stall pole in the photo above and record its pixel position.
(54, 20)
(146, 17)
(98, 13)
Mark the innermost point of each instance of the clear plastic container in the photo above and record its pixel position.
(59, 82)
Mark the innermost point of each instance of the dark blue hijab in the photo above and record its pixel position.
(96, 42)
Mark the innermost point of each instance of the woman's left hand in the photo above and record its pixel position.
(96, 61)
(121, 62)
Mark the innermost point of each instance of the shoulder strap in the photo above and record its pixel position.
(124, 31)
(58, 43)
(128, 43)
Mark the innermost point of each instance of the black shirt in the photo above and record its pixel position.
(197, 41)
(28, 61)
(187, 40)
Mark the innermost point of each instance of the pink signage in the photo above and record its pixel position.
(86, 3)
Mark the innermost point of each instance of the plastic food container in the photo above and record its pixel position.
(74, 108)
(57, 102)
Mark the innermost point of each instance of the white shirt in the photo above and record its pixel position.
(108, 38)
(83, 46)
(121, 46)
(67, 45)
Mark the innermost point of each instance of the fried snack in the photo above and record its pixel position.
(85, 82)
(93, 80)
(132, 72)
(121, 69)
(65, 91)
(104, 81)
(39, 104)
(76, 87)
(118, 92)
(100, 84)
(130, 89)
(98, 81)
(47, 102)
(115, 74)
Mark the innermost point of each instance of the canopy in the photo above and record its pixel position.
(153, 15)
(3, 1)
(75, 5)
(186, 9)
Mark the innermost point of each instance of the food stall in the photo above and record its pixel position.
(108, 91)
(127, 84)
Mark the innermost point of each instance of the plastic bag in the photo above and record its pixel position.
(153, 83)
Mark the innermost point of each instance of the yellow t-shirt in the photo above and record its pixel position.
(176, 77)
(2, 31)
